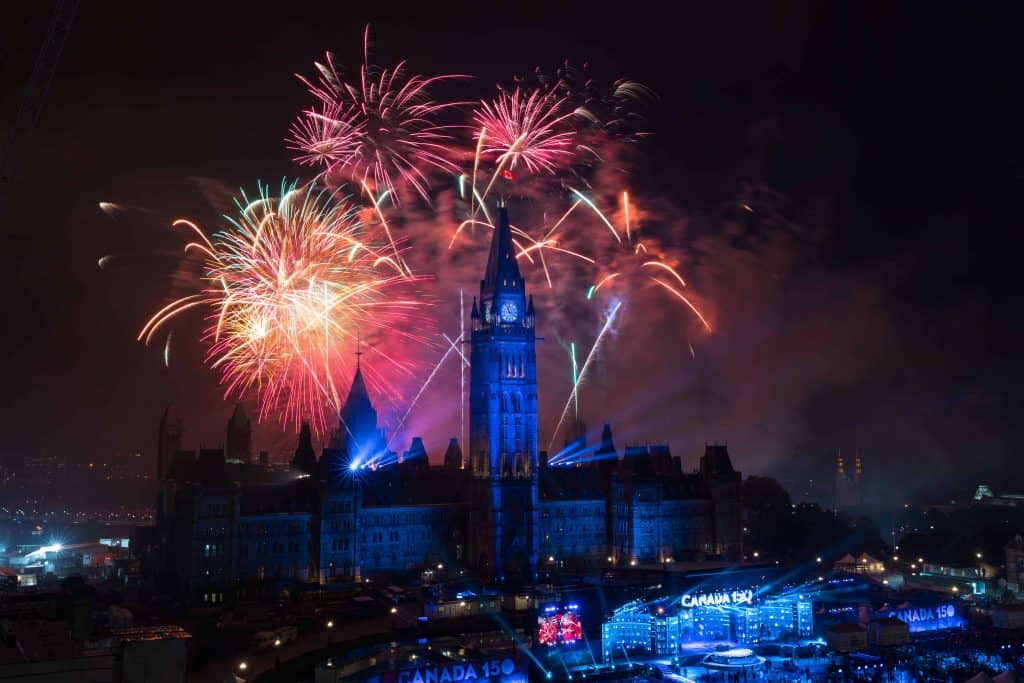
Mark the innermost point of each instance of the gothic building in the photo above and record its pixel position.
(503, 533)
(498, 509)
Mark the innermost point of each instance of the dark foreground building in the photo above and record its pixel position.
(503, 512)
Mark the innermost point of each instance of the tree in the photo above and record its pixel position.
(768, 510)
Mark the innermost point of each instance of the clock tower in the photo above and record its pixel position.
(503, 534)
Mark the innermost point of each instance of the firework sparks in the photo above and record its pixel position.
(575, 379)
(679, 295)
(625, 211)
(290, 285)
(295, 278)
(383, 130)
(583, 370)
(452, 346)
(526, 129)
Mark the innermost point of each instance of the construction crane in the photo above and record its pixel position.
(35, 94)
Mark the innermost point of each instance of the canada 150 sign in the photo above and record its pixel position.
(743, 597)
(503, 669)
(929, 618)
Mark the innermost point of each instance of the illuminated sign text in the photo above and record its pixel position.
(722, 598)
(929, 618)
(478, 671)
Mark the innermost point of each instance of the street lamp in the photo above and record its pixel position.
(330, 623)
(242, 666)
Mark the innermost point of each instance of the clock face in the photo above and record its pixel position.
(509, 311)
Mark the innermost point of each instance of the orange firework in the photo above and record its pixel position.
(293, 282)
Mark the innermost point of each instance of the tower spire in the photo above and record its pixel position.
(502, 266)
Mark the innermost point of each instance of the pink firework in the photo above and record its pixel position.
(381, 133)
(532, 129)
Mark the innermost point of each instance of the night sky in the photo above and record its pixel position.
(871, 301)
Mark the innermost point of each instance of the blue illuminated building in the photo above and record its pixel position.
(503, 524)
(667, 626)
(639, 507)
(226, 525)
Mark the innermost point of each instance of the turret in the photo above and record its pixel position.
(361, 440)
(453, 456)
(721, 483)
(239, 441)
(607, 448)
(305, 456)
(417, 451)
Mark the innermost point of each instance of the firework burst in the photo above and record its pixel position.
(292, 284)
(382, 130)
(527, 129)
